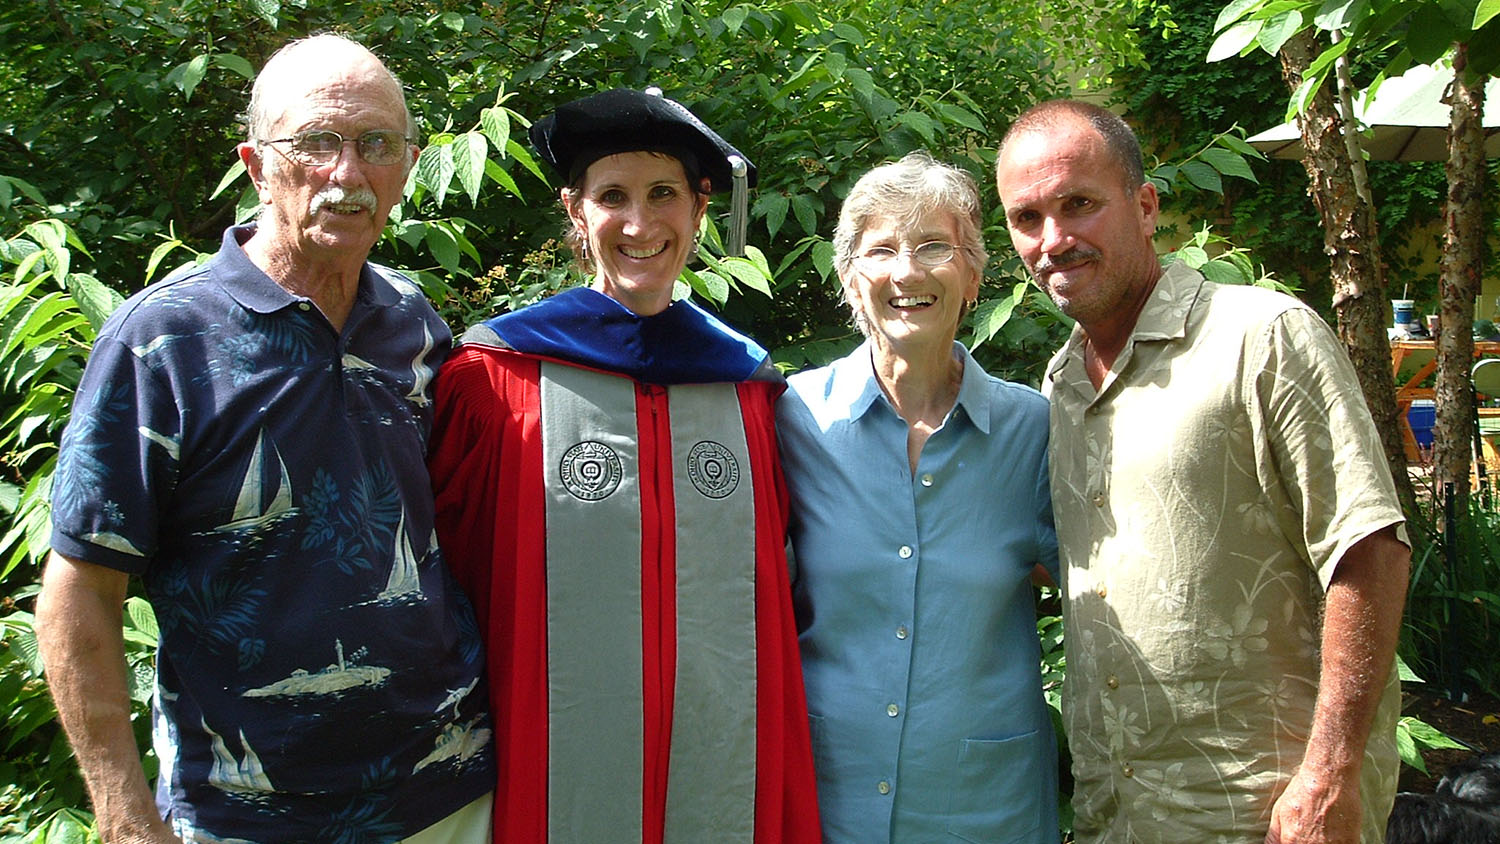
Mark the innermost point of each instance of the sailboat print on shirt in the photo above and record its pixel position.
(333, 679)
(404, 585)
(251, 510)
(244, 776)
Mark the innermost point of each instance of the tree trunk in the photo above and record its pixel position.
(1353, 248)
(1463, 262)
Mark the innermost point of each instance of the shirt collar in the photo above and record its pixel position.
(1164, 317)
(255, 291)
(856, 387)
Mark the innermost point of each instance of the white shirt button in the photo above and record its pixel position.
(883, 787)
(901, 632)
(893, 710)
(927, 479)
(905, 552)
(304, 306)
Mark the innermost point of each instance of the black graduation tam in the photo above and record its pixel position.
(622, 120)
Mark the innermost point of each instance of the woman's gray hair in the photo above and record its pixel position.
(905, 191)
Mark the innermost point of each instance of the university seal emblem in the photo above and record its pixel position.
(712, 469)
(590, 470)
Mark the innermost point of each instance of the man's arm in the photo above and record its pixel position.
(79, 629)
(1362, 618)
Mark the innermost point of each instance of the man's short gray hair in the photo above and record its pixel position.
(905, 191)
(259, 117)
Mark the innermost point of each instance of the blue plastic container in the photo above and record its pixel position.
(1421, 416)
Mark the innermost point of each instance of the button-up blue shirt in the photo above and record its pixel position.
(913, 598)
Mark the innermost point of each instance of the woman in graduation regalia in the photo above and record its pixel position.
(609, 494)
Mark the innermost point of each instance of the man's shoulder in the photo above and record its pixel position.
(1249, 304)
(181, 299)
(400, 284)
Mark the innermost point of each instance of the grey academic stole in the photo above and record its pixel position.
(595, 712)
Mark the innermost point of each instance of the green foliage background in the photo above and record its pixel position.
(117, 164)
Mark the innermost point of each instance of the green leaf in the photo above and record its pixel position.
(992, 314)
(1228, 163)
(961, 116)
(94, 298)
(523, 155)
(1340, 15)
(1203, 176)
(823, 254)
(1224, 272)
(749, 274)
(452, 20)
(835, 64)
(919, 123)
(435, 170)
(1238, 144)
(1233, 41)
(191, 74)
(773, 206)
(52, 236)
(235, 171)
(501, 177)
(1486, 10)
(805, 209)
(234, 64)
(1302, 96)
(1234, 11)
(141, 616)
(860, 79)
(1407, 748)
(443, 247)
(267, 10)
(733, 18)
(1431, 34)
(1278, 31)
(1427, 736)
(1193, 256)
(849, 33)
(495, 123)
(1404, 672)
(708, 284)
(469, 152)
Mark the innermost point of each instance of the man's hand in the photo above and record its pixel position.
(1361, 619)
(1317, 809)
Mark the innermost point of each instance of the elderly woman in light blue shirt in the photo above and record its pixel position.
(920, 515)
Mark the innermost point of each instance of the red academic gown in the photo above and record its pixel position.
(487, 473)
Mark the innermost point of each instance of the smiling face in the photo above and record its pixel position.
(639, 218)
(906, 302)
(1084, 234)
(320, 213)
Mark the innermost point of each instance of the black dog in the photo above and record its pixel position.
(1465, 809)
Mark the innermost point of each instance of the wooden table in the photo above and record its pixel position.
(1423, 354)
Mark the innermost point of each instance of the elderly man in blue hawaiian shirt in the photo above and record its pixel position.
(249, 440)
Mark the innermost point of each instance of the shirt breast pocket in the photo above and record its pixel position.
(996, 796)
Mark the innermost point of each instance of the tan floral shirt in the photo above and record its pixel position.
(1203, 499)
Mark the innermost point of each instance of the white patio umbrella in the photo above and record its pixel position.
(1407, 119)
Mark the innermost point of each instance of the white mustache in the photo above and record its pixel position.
(337, 195)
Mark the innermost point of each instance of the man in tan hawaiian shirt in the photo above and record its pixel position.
(1233, 555)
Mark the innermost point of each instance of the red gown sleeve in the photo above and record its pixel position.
(786, 796)
(486, 470)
